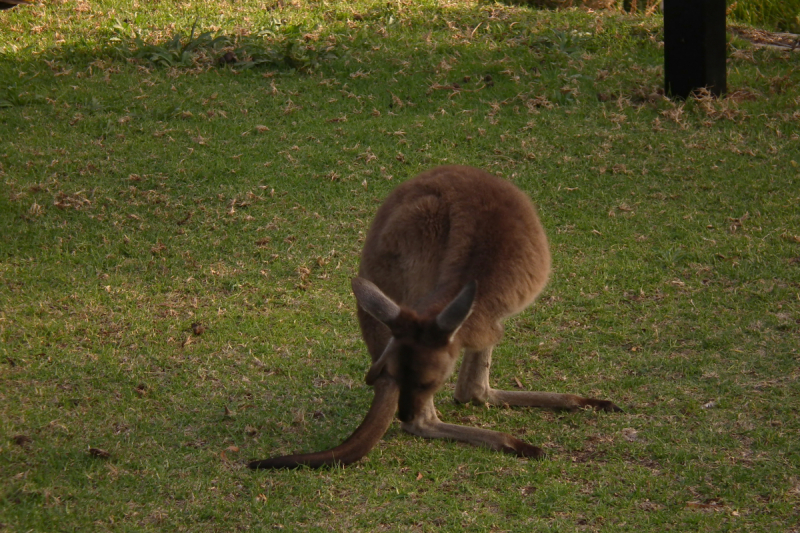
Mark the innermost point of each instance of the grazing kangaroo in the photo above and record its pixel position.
(450, 255)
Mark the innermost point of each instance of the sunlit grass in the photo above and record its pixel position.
(774, 15)
(143, 195)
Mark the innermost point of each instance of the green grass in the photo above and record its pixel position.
(771, 15)
(147, 187)
(783, 15)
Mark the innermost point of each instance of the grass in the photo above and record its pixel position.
(147, 186)
(771, 15)
(776, 16)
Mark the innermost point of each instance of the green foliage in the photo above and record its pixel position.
(177, 51)
(276, 45)
(10, 97)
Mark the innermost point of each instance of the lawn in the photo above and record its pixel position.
(186, 187)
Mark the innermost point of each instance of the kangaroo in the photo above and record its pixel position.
(449, 256)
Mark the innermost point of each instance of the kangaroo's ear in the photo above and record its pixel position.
(373, 301)
(457, 311)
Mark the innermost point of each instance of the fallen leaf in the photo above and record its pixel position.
(21, 440)
(396, 101)
(630, 434)
(647, 505)
(98, 452)
(711, 503)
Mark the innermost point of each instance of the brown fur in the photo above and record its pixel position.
(449, 256)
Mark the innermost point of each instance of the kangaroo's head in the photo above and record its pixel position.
(421, 353)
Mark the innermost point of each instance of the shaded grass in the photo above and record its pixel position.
(140, 199)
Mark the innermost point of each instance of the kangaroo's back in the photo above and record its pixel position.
(447, 227)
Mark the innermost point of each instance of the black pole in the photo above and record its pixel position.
(694, 46)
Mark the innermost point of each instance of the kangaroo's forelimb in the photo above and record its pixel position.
(426, 424)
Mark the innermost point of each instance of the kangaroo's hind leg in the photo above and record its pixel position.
(473, 386)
